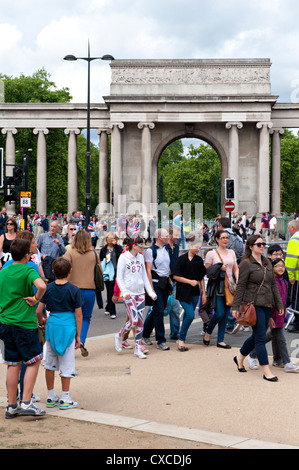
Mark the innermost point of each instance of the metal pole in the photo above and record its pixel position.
(87, 197)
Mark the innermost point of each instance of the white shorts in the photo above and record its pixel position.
(65, 363)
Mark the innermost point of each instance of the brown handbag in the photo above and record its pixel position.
(229, 296)
(247, 312)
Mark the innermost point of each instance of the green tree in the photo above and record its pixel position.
(290, 171)
(194, 179)
(37, 88)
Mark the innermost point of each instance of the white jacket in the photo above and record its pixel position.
(131, 275)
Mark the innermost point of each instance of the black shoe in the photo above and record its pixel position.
(273, 379)
(242, 369)
(226, 346)
(206, 342)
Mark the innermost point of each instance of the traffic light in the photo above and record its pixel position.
(10, 192)
(11, 183)
(229, 188)
(17, 176)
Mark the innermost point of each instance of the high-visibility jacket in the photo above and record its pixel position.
(292, 257)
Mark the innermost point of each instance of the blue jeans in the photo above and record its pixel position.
(174, 315)
(220, 317)
(89, 297)
(258, 338)
(155, 317)
(189, 309)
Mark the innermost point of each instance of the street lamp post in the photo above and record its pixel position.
(88, 59)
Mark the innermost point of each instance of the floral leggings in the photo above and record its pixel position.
(135, 309)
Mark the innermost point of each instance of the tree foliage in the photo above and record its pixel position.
(37, 88)
(193, 179)
(290, 171)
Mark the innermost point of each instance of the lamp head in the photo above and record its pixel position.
(107, 57)
(70, 57)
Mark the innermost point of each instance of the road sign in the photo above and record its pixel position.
(25, 197)
(229, 206)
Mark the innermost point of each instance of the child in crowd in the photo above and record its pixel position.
(19, 329)
(64, 301)
(132, 280)
(277, 331)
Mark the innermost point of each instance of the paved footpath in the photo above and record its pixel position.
(195, 396)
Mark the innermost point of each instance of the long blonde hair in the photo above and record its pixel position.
(82, 242)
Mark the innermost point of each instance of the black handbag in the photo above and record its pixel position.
(98, 276)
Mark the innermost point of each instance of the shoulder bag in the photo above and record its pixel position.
(229, 287)
(98, 276)
(247, 312)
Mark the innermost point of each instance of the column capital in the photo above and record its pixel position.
(13, 130)
(238, 124)
(72, 130)
(260, 125)
(43, 130)
(99, 131)
(279, 130)
(142, 125)
(119, 125)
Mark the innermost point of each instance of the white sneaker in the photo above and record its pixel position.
(290, 367)
(253, 363)
(126, 345)
(52, 401)
(35, 398)
(138, 353)
(118, 343)
(30, 410)
(67, 404)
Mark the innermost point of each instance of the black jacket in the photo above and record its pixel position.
(193, 270)
(216, 282)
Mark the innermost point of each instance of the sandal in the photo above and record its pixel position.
(84, 351)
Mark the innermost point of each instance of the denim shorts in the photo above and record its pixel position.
(20, 345)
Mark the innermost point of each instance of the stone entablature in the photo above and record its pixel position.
(197, 76)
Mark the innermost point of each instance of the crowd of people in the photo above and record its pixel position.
(48, 292)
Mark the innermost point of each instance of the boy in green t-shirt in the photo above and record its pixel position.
(18, 327)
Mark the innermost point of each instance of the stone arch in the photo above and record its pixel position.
(190, 132)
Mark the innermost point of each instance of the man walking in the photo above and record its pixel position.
(157, 263)
(292, 267)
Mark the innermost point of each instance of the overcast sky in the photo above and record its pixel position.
(39, 33)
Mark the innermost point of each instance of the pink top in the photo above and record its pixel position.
(229, 258)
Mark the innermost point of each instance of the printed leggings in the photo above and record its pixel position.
(135, 309)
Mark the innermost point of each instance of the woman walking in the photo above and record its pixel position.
(189, 273)
(226, 260)
(257, 284)
(133, 281)
(83, 258)
(109, 255)
(11, 228)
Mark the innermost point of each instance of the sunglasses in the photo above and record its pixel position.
(260, 244)
(9, 223)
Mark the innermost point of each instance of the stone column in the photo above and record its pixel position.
(116, 166)
(263, 167)
(72, 174)
(10, 159)
(275, 171)
(146, 165)
(103, 166)
(41, 171)
(233, 157)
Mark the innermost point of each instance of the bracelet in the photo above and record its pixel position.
(36, 300)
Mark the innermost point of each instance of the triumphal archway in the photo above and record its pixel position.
(228, 103)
